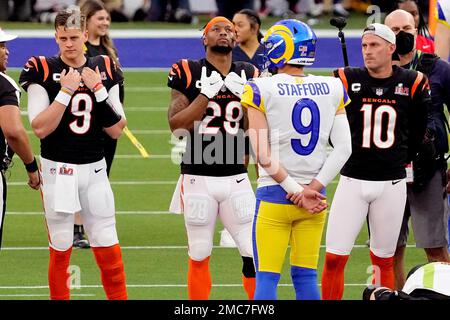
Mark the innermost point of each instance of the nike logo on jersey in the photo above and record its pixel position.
(26, 69)
(395, 182)
(98, 170)
(239, 181)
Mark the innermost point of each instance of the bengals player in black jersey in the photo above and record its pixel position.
(205, 108)
(71, 101)
(387, 117)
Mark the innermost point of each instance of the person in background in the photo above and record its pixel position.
(99, 43)
(170, 11)
(442, 43)
(228, 8)
(427, 202)
(424, 40)
(248, 30)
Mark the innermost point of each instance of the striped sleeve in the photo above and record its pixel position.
(251, 98)
(344, 98)
(36, 70)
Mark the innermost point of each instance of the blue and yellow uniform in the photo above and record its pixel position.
(300, 113)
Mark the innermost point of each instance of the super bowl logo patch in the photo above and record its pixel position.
(65, 171)
(401, 90)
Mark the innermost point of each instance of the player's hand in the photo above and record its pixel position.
(308, 199)
(236, 83)
(34, 179)
(91, 77)
(70, 79)
(210, 86)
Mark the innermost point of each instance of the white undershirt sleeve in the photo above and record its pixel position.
(114, 100)
(38, 100)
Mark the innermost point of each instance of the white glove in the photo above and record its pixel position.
(210, 86)
(236, 84)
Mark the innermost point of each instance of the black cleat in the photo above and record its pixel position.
(79, 241)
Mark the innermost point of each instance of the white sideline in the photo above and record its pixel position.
(38, 213)
(43, 295)
(161, 286)
(129, 183)
(120, 183)
(356, 246)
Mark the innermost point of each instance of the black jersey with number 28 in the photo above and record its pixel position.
(216, 146)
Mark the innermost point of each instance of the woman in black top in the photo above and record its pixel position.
(99, 43)
(249, 48)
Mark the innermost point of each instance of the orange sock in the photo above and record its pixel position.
(386, 271)
(199, 279)
(249, 286)
(109, 260)
(58, 276)
(333, 276)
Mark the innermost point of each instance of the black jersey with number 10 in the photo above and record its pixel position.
(387, 120)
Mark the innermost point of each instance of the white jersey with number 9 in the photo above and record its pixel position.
(300, 112)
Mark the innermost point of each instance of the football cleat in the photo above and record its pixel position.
(79, 241)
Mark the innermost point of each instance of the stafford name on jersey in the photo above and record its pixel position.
(303, 89)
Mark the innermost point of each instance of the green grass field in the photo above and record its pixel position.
(153, 242)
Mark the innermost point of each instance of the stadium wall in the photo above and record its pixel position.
(161, 48)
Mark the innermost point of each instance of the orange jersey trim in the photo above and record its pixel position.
(34, 61)
(108, 66)
(177, 69)
(416, 83)
(44, 66)
(186, 69)
(343, 78)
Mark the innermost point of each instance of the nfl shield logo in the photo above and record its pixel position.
(379, 91)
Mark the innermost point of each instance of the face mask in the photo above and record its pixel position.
(404, 42)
